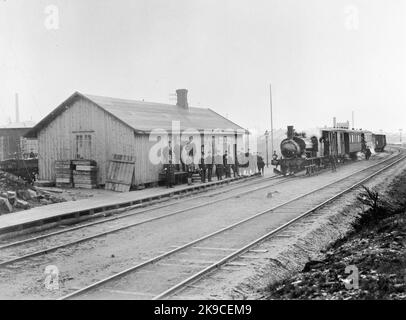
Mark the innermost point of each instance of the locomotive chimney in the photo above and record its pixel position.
(290, 132)
(182, 98)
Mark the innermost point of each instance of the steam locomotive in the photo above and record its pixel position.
(312, 151)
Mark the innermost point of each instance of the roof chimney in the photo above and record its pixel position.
(17, 110)
(182, 98)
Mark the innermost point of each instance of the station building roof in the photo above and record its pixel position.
(144, 117)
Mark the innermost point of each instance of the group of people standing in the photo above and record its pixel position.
(223, 166)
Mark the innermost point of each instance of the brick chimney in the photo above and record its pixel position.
(182, 98)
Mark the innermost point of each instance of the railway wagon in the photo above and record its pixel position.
(311, 151)
(379, 142)
(345, 143)
(23, 168)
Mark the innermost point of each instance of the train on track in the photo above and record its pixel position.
(313, 151)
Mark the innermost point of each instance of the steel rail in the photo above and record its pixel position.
(129, 208)
(168, 253)
(131, 225)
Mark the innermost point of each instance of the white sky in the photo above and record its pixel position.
(324, 58)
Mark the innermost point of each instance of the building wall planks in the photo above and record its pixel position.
(109, 136)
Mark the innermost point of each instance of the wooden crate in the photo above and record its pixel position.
(85, 174)
(120, 173)
(63, 173)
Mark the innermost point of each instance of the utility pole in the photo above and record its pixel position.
(353, 125)
(270, 104)
(400, 136)
(266, 144)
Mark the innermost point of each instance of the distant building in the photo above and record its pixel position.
(13, 144)
(266, 151)
(93, 127)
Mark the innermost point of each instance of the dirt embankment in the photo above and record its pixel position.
(368, 263)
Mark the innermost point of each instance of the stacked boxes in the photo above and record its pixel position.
(84, 174)
(63, 170)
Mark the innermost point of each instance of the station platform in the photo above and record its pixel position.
(40, 218)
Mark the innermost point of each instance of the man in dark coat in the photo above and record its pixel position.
(227, 166)
(326, 147)
(208, 161)
(333, 164)
(260, 164)
(219, 166)
(234, 166)
(367, 153)
(203, 168)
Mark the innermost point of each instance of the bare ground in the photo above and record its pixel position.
(375, 249)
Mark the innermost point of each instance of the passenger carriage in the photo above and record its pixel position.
(379, 142)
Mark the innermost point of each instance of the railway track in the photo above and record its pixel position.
(27, 248)
(118, 213)
(169, 272)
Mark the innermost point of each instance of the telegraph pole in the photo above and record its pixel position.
(353, 124)
(266, 144)
(270, 104)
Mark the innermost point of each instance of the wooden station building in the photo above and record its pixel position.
(13, 144)
(96, 128)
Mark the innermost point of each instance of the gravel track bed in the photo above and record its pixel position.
(88, 262)
(249, 276)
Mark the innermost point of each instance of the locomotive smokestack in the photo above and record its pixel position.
(290, 132)
(182, 98)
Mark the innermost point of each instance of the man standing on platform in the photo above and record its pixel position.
(202, 166)
(260, 164)
(219, 166)
(235, 168)
(169, 173)
(226, 165)
(230, 164)
(208, 160)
